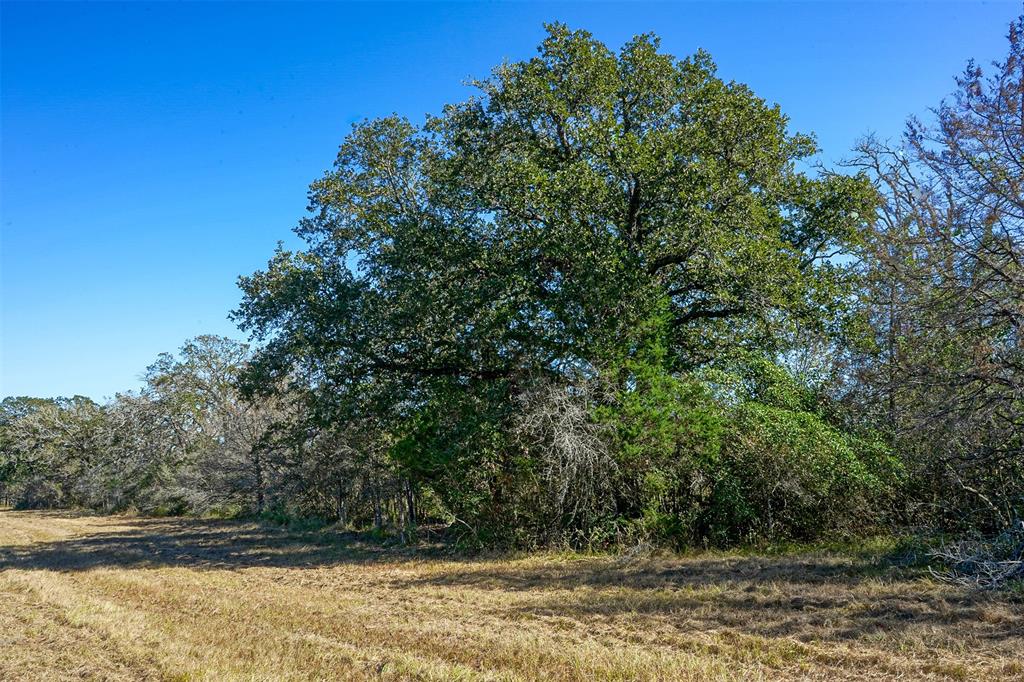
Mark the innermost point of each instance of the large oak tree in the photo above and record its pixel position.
(581, 203)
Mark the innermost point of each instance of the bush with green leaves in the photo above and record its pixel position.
(740, 455)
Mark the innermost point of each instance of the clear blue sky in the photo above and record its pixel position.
(151, 153)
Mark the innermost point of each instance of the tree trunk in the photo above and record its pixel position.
(258, 471)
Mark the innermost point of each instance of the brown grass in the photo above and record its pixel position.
(116, 598)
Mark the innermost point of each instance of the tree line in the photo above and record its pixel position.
(609, 299)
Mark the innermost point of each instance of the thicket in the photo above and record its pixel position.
(602, 302)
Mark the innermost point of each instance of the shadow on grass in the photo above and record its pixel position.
(194, 543)
(806, 597)
(129, 542)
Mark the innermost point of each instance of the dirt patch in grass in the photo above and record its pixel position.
(114, 598)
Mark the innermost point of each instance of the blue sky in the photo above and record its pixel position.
(151, 153)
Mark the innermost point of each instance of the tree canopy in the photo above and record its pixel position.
(583, 203)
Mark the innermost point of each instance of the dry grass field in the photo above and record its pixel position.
(117, 598)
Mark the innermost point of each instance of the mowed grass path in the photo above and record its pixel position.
(117, 598)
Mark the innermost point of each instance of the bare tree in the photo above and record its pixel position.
(556, 424)
(946, 293)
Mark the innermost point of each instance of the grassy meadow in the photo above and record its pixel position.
(122, 598)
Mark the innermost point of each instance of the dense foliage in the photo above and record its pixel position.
(604, 301)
